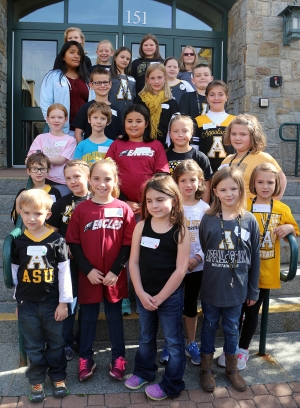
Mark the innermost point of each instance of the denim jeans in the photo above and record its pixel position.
(230, 324)
(169, 314)
(40, 330)
(114, 318)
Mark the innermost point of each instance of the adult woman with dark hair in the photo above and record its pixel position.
(67, 83)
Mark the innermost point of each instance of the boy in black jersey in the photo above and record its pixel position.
(41, 274)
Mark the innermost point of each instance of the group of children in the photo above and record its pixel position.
(183, 233)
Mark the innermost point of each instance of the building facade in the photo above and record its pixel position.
(241, 40)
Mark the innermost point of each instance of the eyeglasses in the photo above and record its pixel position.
(39, 169)
(188, 54)
(100, 83)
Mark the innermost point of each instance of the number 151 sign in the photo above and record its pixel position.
(137, 17)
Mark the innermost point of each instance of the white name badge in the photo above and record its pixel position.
(261, 208)
(223, 165)
(113, 212)
(60, 143)
(102, 149)
(165, 106)
(244, 233)
(182, 87)
(53, 197)
(114, 112)
(130, 78)
(150, 242)
(193, 215)
(209, 126)
(154, 62)
(143, 150)
(36, 250)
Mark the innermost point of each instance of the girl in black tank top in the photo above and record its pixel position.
(158, 263)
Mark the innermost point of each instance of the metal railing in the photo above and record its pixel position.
(296, 139)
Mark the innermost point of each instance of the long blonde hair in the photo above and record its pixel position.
(74, 29)
(147, 87)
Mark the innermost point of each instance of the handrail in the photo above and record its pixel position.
(297, 139)
(293, 260)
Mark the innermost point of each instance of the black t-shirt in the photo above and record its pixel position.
(192, 105)
(168, 109)
(88, 62)
(139, 68)
(175, 158)
(111, 131)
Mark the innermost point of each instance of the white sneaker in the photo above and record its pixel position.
(222, 360)
(243, 357)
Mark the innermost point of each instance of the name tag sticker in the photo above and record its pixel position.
(143, 150)
(130, 78)
(165, 106)
(60, 143)
(150, 242)
(36, 250)
(114, 112)
(53, 197)
(244, 233)
(113, 212)
(209, 126)
(102, 149)
(261, 208)
(223, 165)
(193, 215)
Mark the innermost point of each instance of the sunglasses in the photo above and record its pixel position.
(188, 54)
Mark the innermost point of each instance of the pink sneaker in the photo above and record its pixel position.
(155, 393)
(117, 368)
(86, 368)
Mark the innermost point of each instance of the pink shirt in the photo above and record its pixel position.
(53, 146)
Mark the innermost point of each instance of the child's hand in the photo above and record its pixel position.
(148, 301)
(95, 276)
(192, 264)
(136, 208)
(250, 302)
(69, 252)
(61, 312)
(110, 279)
(283, 230)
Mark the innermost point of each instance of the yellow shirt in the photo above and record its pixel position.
(248, 165)
(269, 277)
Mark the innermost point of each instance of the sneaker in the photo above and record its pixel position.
(69, 353)
(222, 360)
(37, 393)
(60, 389)
(164, 356)
(192, 350)
(86, 368)
(126, 310)
(117, 368)
(155, 393)
(134, 382)
(243, 357)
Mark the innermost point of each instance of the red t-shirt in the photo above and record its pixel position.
(79, 95)
(101, 230)
(137, 162)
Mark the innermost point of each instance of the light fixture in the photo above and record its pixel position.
(291, 23)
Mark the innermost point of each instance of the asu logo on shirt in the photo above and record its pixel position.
(37, 271)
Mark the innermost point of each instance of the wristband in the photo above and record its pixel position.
(196, 259)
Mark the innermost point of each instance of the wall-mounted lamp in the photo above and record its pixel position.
(291, 23)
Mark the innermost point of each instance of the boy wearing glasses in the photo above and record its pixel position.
(37, 166)
(100, 83)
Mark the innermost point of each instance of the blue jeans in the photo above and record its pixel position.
(114, 318)
(169, 314)
(230, 324)
(39, 329)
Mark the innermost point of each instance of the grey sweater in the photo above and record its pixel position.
(216, 289)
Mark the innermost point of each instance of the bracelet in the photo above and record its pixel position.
(197, 259)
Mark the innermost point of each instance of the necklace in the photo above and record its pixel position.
(266, 226)
(239, 163)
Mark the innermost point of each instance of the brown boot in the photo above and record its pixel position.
(207, 380)
(233, 373)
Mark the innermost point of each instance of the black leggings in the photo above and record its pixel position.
(192, 286)
(251, 320)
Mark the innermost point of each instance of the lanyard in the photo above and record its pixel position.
(239, 163)
(199, 105)
(232, 266)
(266, 226)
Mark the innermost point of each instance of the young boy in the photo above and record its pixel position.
(41, 274)
(194, 104)
(37, 166)
(96, 146)
(100, 82)
(76, 173)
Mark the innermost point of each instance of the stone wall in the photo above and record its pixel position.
(256, 52)
(3, 80)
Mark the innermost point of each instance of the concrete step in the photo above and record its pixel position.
(6, 203)
(293, 202)
(12, 185)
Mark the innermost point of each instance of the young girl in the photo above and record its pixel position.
(75, 34)
(58, 146)
(157, 98)
(122, 91)
(188, 60)
(76, 174)
(275, 221)
(149, 53)
(158, 262)
(245, 134)
(209, 135)
(67, 83)
(229, 237)
(178, 86)
(104, 52)
(99, 235)
(181, 130)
